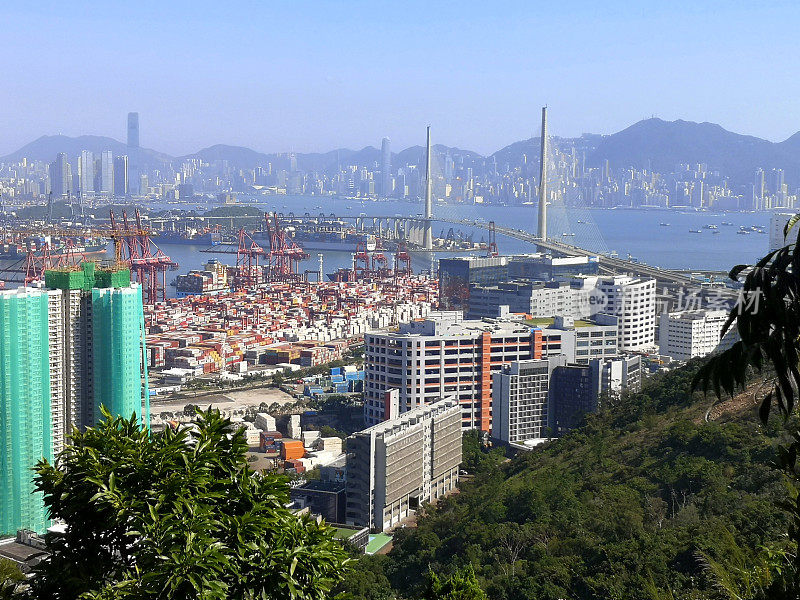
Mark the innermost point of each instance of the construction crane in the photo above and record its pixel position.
(402, 261)
(148, 263)
(285, 255)
(247, 255)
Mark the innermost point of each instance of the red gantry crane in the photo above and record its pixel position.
(148, 263)
(285, 254)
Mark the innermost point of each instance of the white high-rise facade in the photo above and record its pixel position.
(86, 173)
(689, 334)
(106, 172)
(633, 302)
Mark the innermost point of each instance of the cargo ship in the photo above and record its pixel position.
(324, 237)
(15, 249)
(211, 280)
(198, 238)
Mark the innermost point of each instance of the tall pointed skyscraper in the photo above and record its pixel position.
(386, 168)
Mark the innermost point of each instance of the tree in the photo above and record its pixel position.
(177, 515)
(10, 579)
(767, 317)
(462, 585)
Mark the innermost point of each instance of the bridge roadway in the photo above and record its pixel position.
(609, 264)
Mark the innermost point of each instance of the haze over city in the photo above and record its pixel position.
(267, 77)
(399, 301)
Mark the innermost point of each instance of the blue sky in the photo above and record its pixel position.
(308, 75)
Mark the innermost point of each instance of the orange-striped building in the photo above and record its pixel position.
(443, 356)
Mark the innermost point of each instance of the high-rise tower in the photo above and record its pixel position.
(31, 417)
(86, 173)
(428, 239)
(542, 233)
(133, 153)
(106, 172)
(63, 352)
(386, 168)
(60, 174)
(120, 176)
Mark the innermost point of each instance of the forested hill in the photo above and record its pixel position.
(646, 501)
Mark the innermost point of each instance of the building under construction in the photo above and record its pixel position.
(64, 349)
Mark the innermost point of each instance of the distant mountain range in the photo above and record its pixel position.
(660, 145)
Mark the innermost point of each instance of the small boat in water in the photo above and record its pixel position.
(695, 231)
(743, 232)
(664, 224)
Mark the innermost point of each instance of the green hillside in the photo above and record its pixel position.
(646, 501)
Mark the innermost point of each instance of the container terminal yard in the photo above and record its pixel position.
(302, 323)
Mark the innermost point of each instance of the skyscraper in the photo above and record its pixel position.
(60, 175)
(106, 172)
(63, 351)
(133, 153)
(86, 173)
(30, 378)
(386, 168)
(759, 186)
(120, 176)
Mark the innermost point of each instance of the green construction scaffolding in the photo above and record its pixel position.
(119, 351)
(25, 405)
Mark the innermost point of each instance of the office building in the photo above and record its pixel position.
(456, 275)
(134, 165)
(325, 498)
(443, 356)
(578, 389)
(120, 176)
(396, 466)
(86, 173)
(543, 267)
(538, 399)
(386, 168)
(521, 399)
(106, 172)
(63, 351)
(60, 173)
(689, 334)
(579, 340)
(535, 298)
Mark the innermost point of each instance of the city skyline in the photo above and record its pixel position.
(264, 78)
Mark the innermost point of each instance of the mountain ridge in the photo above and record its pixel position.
(654, 143)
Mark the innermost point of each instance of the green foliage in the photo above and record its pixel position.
(622, 508)
(177, 515)
(767, 317)
(10, 579)
(461, 585)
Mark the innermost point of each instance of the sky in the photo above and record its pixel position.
(308, 76)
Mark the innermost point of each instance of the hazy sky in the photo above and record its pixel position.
(306, 75)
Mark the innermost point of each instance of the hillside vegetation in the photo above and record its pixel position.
(647, 500)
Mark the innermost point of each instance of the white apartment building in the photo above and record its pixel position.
(777, 222)
(395, 466)
(633, 302)
(688, 334)
(443, 356)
